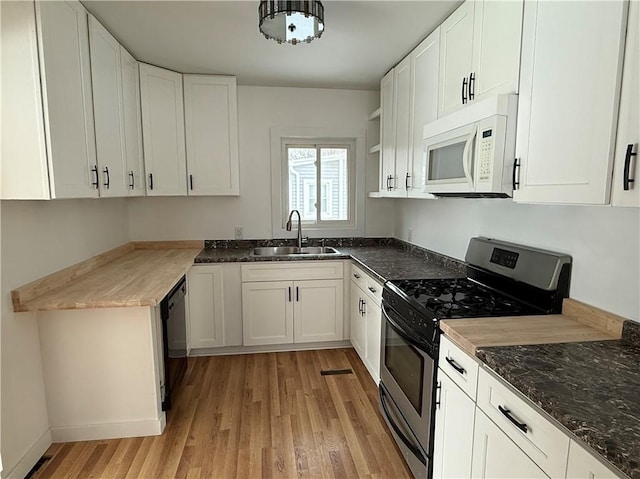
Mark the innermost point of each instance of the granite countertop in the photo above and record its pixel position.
(592, 388)
(384, 258)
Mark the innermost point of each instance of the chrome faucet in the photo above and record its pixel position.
(288, 226)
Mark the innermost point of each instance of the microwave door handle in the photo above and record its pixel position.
(467, 157)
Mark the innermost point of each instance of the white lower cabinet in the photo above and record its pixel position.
(583, 465)
(366, 320)
(215, 316)
(534, 434)
(485, 429)
(292, 303)
(317, 310)
(267, 313)
(358, 325)
(454, 421)
(497, 456)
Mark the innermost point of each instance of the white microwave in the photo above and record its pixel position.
(470, 153)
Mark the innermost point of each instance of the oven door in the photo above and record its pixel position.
(407, 376)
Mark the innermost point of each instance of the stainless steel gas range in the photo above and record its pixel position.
(503, 279)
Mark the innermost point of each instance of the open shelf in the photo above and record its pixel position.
(375, 114)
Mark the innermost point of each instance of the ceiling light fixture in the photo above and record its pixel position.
(291, 21)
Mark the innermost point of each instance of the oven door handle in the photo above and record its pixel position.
(398, 329)
(405, 440)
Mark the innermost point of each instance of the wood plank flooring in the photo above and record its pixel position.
(270, 415)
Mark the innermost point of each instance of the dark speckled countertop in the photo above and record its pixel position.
(384, 258)
(591, 388)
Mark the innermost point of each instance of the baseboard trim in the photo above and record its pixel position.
(114, 430)
(31, 457)
(271, 348)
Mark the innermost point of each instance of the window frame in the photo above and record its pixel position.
(318, 222)
(311, 137)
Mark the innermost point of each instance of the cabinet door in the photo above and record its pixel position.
(358, 322)
(267, 313)
(132, 124)
(211, 127)
(206, 307)
(568, 101)
(163, 131)
(373, 328)
(387, 133)
(456, 57)
(495, 456)
(67, 98)
(496, 48)
(582, 465)
(318, 310)
(402, 114)
(629, 118)
(106, 80)
(425, 61)
(453, 440)
(25, 170)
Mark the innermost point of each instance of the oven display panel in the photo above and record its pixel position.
(505, 258)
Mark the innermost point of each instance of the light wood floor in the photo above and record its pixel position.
(253, 416)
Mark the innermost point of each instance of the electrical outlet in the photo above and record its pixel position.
(239, 233)
(410, 235)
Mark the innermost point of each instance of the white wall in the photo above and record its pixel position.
(603, 241)
(259, 109)
(39, 238)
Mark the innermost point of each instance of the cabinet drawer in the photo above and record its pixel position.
(358, 276)
(538, 437)
(292, 270)
(459, 366)
(370, 286)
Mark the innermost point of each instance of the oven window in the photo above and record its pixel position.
(406, 366)
(446, 162)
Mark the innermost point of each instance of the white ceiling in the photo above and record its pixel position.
(361, 42)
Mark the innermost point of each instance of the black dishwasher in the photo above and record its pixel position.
(174, 340)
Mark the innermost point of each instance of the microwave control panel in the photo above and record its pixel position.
(485, 154)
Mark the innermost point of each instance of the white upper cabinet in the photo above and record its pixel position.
(425, 61)
(409, 100)
(67, 98)
(211, 128)
(402, 118)
(132, 118)
(479, 52)
(627, 193)
(387, 133)
(48, 142)
(106, 79)
(163, 131)
(568, 102)
(456, 57)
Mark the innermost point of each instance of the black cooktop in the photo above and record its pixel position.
(459, 298)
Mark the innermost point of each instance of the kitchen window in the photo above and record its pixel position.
(321, 176)
(312, 171)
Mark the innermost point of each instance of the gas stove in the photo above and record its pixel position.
(503, 279)
(460, 298)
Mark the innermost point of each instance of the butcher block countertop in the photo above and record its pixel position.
(135, 274)
(578, 322)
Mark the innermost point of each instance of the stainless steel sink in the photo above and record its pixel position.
(292, 250)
